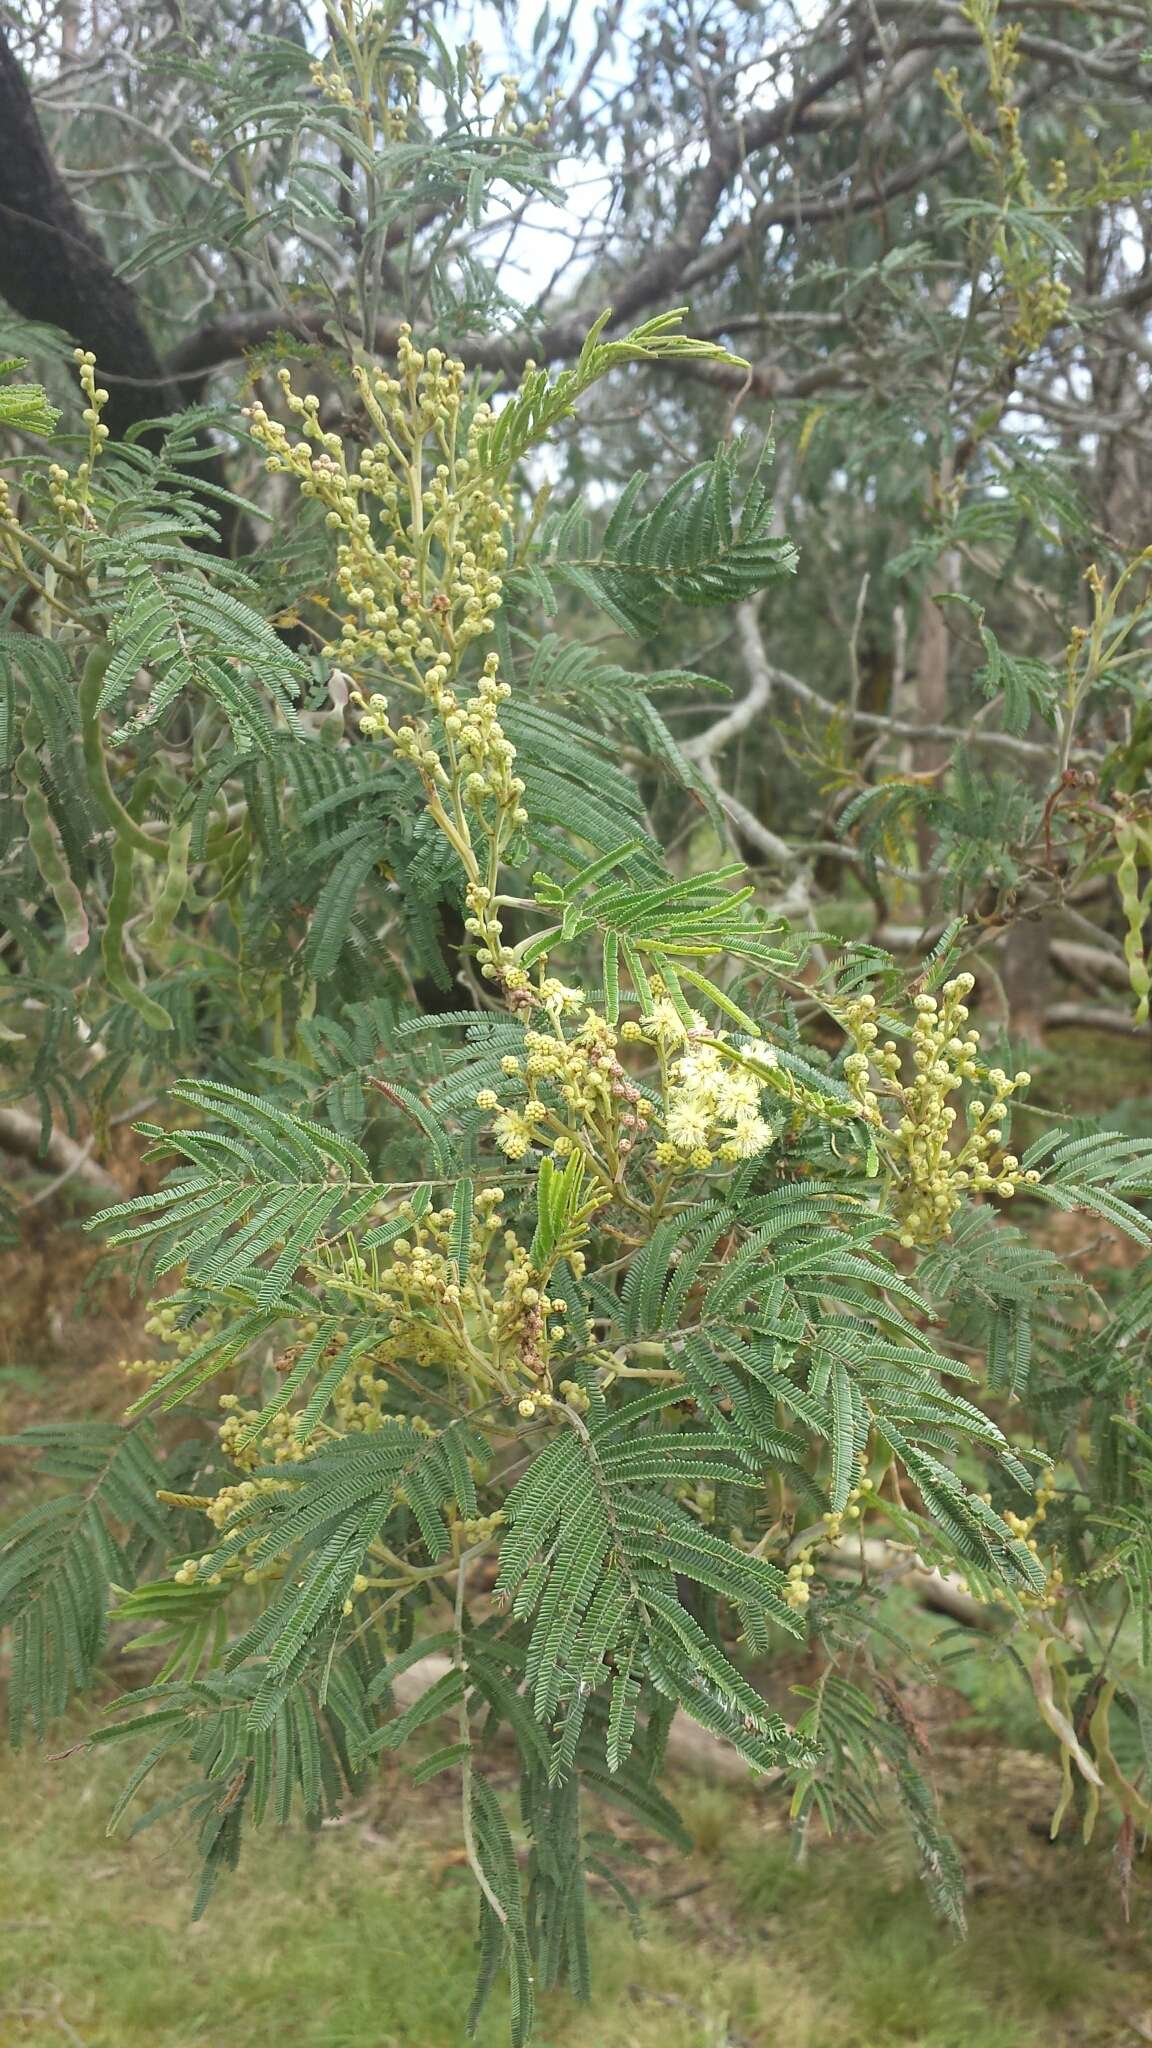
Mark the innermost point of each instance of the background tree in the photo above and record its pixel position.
(943, 328)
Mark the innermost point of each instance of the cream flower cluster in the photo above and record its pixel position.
(421, 1285)
(67, 490)
(332, 83)
(485, 751)
(522, 1319)
(1023, 1527)
(97, 398)
(280, 1443)
(62, 489)
(480, 757)
(438, 1316)
(714, 1107)
(713, 1090)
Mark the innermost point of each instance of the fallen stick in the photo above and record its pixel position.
(881, 1559)
(1091, 964)
(1093, 1017)
(21, 1135)
(689, 1745)
(932, 1587)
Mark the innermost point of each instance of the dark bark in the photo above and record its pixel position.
(53, 269)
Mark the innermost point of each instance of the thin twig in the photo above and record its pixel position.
(470, 1849)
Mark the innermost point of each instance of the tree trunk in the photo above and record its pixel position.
(1026, 972)
(53, 269)
(930, 667)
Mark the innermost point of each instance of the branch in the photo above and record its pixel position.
(1117, 65)
(687, 259)
(657, 276)
(776, 850)
(1091, 964)
(932, 1587)
(688, 1744)
(874, 721)
(693, 1747)
(841, 201)
(218, 344)
(1093, 1017)
(21, 1135)
(706, 745)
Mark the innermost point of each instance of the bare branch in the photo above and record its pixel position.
(706, 745)
(951, 29)
(20, 1134)
(1090, 964)
(774, 849)
(874, 721)
(1093, 1017)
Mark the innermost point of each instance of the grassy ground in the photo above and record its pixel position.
(362, 1937)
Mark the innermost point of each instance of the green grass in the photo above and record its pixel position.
(362, 1937)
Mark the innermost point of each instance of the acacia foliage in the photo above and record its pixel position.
(571, 1249)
